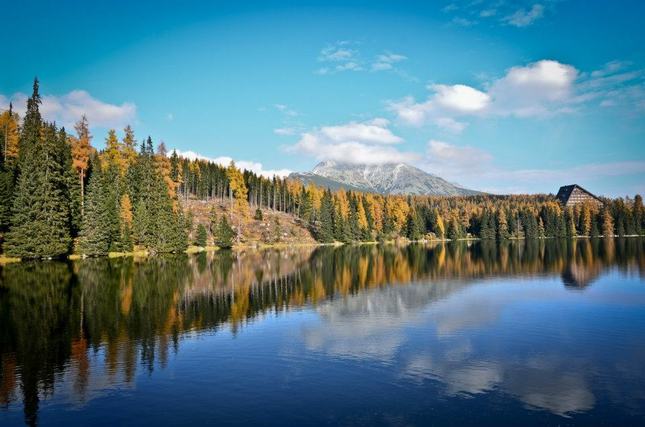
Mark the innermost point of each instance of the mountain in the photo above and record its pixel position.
(389, 178)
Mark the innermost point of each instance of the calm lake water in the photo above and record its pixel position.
(537, 333)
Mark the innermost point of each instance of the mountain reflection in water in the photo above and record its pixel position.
(74, 331)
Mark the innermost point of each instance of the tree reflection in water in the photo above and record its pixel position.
(55, 318)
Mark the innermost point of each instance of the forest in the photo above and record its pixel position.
(60, 195)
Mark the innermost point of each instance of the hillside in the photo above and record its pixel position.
(274, 228)
(390, 178)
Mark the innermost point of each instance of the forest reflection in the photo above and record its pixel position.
(55, 317)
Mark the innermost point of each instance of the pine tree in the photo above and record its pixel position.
(200, 240)
(224, 234)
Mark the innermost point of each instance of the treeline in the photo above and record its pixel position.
(58, 195)
(347, 216)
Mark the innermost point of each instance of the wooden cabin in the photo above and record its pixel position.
(571, 195)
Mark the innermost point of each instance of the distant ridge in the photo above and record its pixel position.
(389, 178)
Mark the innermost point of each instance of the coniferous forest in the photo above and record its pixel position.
(60, 195)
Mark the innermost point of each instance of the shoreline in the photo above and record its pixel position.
(191, 250)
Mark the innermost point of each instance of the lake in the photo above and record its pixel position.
(524, 333)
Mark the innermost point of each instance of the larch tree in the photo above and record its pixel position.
(81, 149)
(238, 193)
(112, 156)
(607, 223)
(9, 135)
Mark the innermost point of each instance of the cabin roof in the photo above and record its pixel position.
(565, 191)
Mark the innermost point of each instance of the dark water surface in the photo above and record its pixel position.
(538, 333)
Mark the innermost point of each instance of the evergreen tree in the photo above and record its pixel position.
(325, 229)
(31, 125)
(40, 224)
(101, 228)
(595, 231)
(414, 225)
(201, 236)
(487, 226)
(158, 224)
(224, 234)
(638, 215)
(502, 226)
(454, 230)
(570, 223)
(258, 215)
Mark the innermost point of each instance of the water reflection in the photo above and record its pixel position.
(79, 329)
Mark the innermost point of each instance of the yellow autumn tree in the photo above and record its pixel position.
(316, 194)
(111, 156)
(360, 214)
(81, 150)
(238, 195)
(342, 203)
(9, 127)
(162, 162)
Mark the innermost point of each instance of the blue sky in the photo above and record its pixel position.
(495, 95)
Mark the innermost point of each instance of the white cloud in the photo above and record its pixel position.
(336, 53)
(386, 61)
(525, 17)
(450, 124)
(369, 142)
(463, 22)
(69, 108)
(345, 56)
(284, 131)
(339, 57)
(373, 132)
(455, 160)
(460, 98)
(255, 167)
(475, 168)
(470, 13)
(537, 89)
(284, 109)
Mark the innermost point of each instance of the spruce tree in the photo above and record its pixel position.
(40, 224)
(224, 234)
(100, 232)
(159, 224)
(202, 236)
(325, 229)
